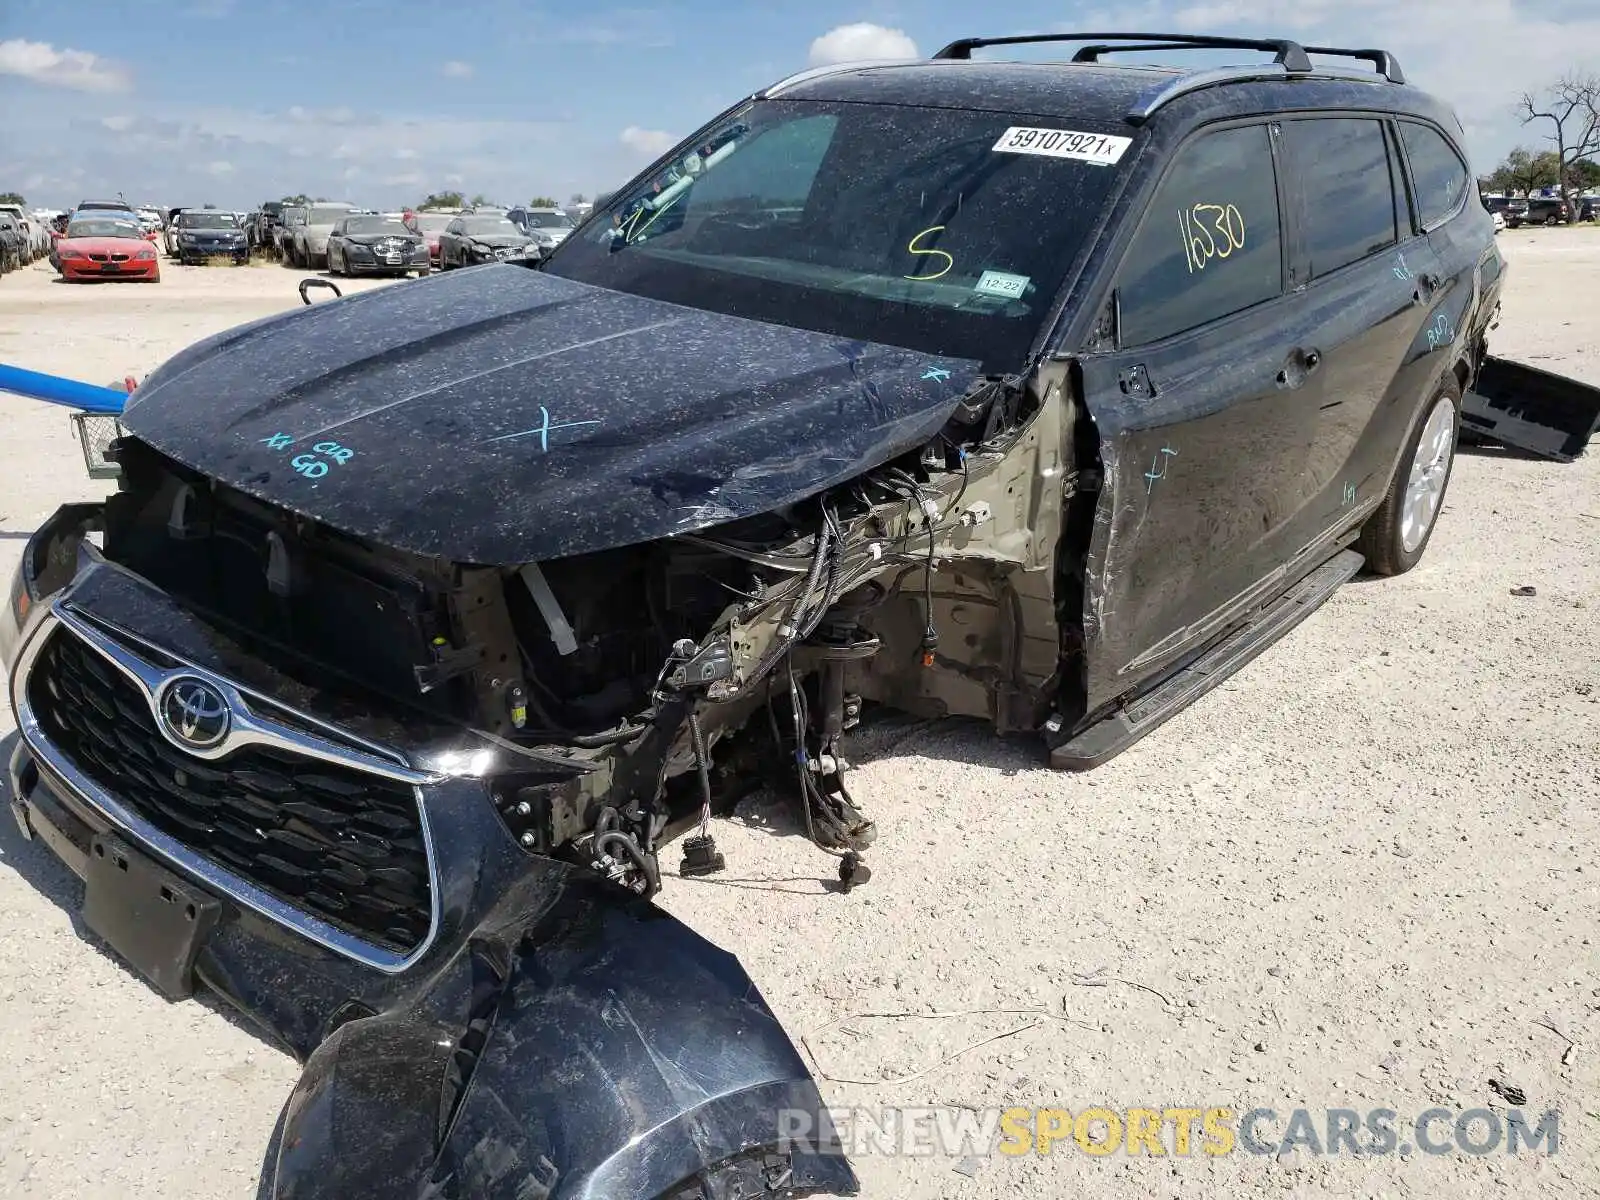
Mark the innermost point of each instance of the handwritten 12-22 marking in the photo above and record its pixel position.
(1196, 225)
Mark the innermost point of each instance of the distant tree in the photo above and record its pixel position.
(543, 202)
(1584, 175)
(443, 200)
(1571, 105)
(480, 198)
(12, 198)
(299, 198)
(1524, 171)
(319, 200)
(578, 198)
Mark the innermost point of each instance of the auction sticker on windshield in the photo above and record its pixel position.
(1103, 149)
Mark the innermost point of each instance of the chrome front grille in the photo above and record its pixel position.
(330, 841)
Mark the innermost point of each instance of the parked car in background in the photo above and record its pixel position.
(1543, 210)
(376, 245)
(13, 244)
(35, 238)
(430, 225)
(262, 230)
(205, 233)
(308, 241)
(472, 239)
(169, 234)
(1510, 208)
(107, 206)
(548, 227)
(1588, 208)
(289, 219)
(102, 244)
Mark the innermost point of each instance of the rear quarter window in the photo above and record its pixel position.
(1437, 172)
(1210, 244)
(1341, 168)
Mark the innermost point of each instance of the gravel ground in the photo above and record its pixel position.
(1360, 874)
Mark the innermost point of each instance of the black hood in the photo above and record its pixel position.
(370, 239)
(503, 416)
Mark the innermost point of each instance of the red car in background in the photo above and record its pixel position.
(106, 247)
(430, 225)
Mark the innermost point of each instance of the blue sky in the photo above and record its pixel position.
(230, 102)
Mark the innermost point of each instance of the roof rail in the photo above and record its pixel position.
(1387, 64)
(1291, 56)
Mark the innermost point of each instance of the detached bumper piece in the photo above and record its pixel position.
(582, 1046)
(1529, 409)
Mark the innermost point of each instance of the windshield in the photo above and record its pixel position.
(377, 225)
(546, 220)
(326, 216)
(489, 226)
(293, 216)
(102, 227)
(206, 220)
(432, 222)
(943, 230)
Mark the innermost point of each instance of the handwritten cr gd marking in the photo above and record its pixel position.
(1196, 225)
(948, 260)
(316, 463)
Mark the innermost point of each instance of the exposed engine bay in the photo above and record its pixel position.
(629, 693)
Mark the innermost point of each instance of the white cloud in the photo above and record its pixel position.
(120, 123)
(653, 142)
(219, 166)
(77, 69)
(456, 69)
(863, 40)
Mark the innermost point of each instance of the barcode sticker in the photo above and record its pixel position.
(1102, 149)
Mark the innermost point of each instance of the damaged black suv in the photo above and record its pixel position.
(422, 620)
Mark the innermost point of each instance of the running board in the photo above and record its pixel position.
(1113, 734)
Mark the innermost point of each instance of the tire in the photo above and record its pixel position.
(1552, 221)
(1393, 541)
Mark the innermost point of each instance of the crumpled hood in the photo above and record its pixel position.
(501, 415)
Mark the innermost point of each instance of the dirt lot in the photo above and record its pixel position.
(1361, 874)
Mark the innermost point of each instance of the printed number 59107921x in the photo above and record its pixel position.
(1209, 231)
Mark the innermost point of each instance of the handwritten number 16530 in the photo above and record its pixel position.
(1209, 231)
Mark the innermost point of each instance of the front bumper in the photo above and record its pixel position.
(380, 264)
(148, 268)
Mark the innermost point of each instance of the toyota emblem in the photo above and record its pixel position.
(195, 713)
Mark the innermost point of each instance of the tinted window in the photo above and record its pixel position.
(1210, 242)
(1342, 168)
(1437, 171)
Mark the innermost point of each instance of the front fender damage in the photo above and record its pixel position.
(582, 1043)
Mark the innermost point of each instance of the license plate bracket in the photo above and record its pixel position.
(152, 918)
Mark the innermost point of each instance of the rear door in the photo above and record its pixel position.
(1202, 412)
(1369, 281)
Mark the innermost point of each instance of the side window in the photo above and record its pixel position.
(1341, 165)
(453, 227)
(1210, 243)
(1437, 171)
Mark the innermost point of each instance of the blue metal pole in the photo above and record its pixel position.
(53, 389)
